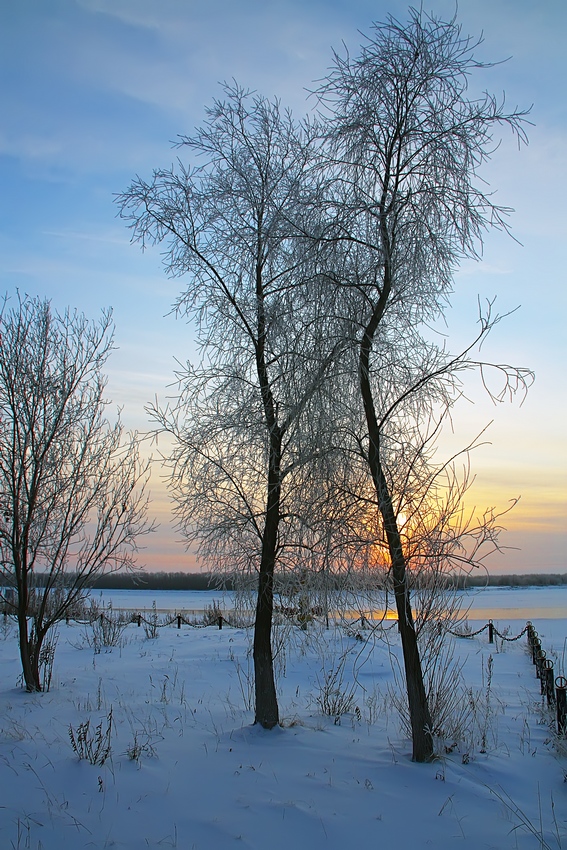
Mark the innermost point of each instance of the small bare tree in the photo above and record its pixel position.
(71, 484)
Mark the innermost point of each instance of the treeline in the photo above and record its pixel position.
(212, 581)
(162, 581)
(200, 581)
(514, 580)
(141, 580)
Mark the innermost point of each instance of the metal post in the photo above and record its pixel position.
(530, 631)
(220, 622)
(536, 647)
(561, 697)
(548, 673)
(179, 621)
(540, 661)
(490, 631)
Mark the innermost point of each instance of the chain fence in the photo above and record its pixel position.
(156, 621)
(553, 688)
(492, 633)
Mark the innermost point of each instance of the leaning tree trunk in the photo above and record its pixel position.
(265, 688)
(420, 718)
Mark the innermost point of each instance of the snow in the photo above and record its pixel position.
(188, 770)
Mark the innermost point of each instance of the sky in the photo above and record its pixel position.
(93, 92)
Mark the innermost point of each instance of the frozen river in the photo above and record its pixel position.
(496, 603)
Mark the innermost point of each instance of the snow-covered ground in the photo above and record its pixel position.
(186, 769)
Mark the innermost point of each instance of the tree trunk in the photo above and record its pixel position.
(265, 688)
(29, 655)
(420, 718)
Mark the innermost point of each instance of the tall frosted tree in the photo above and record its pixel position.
(405, 141)
(234, 224)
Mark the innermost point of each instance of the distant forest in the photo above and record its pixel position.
(162, 581)
(211, 581)
(523, 580)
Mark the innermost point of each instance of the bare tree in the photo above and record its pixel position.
(71, 485)
(405, 142)
(243, 422)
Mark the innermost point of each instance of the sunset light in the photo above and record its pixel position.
(283, 455)
(96, 91)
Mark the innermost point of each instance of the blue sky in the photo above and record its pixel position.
(95, 91)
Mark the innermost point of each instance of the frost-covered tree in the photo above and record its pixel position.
(314, 257)
(233, 222)
(71, 484)
(405, 141)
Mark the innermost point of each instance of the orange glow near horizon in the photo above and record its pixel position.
(535, 539)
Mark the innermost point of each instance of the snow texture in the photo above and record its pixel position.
(187, 769)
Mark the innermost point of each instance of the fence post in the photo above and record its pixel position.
(548, 674)
(220, 621)
(139, 618)
(530, 633)
(179, 621)
(490, 631)
(536, 647)
(540, 662)
(561, 697)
